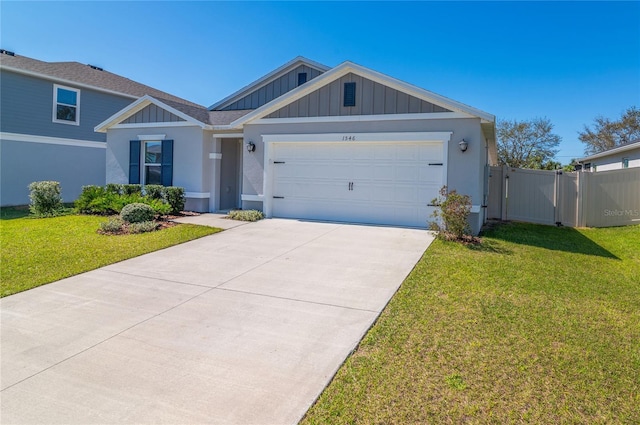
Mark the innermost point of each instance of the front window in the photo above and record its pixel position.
(66, 105)
(625, 162)
(153, 162)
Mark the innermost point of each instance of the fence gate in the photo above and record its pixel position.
(602, 199)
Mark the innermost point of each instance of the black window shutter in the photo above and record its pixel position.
(134, 162)
(349, 94)
(167, 163)
(302, 78)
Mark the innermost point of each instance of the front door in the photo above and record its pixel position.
(229, 174)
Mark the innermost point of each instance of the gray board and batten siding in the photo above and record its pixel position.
(372, 98)
(272, 90)
(152, 113)
(27, 103)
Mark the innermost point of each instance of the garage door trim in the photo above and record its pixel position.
(413, 137)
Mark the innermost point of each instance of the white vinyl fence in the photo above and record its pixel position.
(602, 199)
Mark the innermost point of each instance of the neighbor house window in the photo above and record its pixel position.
(625, 162)
(587, 166)
(349, 94)
(152, 162)
(66, 105)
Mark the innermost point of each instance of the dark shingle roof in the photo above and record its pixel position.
(84, 74)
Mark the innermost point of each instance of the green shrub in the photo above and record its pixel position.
(451, 217)
(175, 198)
(154, 191)
(160, 207)
(143, 227)
(114, 188)
(114, 225)
(137, 213)
(131, 189)
(246, 215)
(88, 194)
(45, 198)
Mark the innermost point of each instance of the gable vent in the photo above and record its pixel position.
(97, 68)
(349, 94)
(302, 78)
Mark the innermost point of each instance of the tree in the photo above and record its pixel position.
(526, 144)
(608, 134)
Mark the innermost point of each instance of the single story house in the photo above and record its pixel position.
(625, 156)
(310, 142)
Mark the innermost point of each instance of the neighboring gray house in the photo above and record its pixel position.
(48, 111)
(625, 156)
(310, 142)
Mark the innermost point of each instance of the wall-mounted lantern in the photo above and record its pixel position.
(463, 145)
(251, 147)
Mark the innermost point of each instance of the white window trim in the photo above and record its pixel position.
(143, 159)
(54, 112)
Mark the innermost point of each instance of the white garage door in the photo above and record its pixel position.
(378, 182)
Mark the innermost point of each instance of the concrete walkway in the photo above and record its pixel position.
(243, 327)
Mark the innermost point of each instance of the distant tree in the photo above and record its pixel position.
(527, 144)
(607, 134)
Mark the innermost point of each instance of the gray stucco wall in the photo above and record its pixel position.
(23, 162)
(188, 153)
(371, 99)
(465, 170)
(270, 91)
(27, 107)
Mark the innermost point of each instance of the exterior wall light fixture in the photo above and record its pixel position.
(463, 145)
(251, 147)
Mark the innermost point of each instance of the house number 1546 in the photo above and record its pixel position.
(348, 138)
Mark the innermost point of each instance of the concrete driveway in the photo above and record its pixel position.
(243, 327)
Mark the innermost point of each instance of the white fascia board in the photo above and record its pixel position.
(263, 81)
(342, 70)
(361, 118)
(154, 125)
(139, 105)
(66, 82)
(228, 135)
(32, 138)
(613, 151)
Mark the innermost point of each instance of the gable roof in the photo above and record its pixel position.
(77, 74)
(263, 81)
(345, 68)
(619, 149)
(192, 115)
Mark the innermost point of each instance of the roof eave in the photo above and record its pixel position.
(619, 149)
(347, 67)
(266, 79)
(140, 104)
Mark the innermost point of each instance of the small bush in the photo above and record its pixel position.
(114, 225)
(143, 227)
(114, 188)
(175, 198)
(154, 191)
(88, 195)
(451, 217)
(131, 189)
(137, 213)
(45, 198)
(246, 215)
(160, 207)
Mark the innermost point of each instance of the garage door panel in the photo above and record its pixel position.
(392, 182)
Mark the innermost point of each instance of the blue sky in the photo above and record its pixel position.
(567, 61)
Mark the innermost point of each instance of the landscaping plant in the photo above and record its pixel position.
(245, 215)
(451, 215)
(45, 197)
(137, 213)
(175, 198)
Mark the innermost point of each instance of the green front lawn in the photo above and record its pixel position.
(537, 325)
(35, 251)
